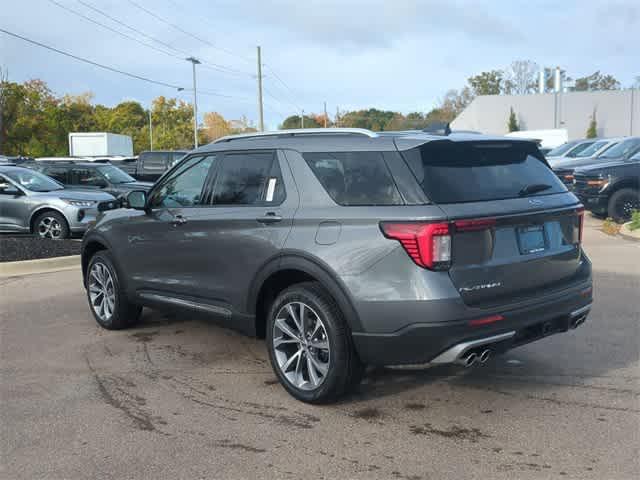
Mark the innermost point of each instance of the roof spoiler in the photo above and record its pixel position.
(438, 128)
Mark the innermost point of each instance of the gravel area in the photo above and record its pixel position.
(17, 248)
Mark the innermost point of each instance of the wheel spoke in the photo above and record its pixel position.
(313, 375)
(303, 323)
(323, 368)
(295, 319)
(291, 359)
(283, 326)
(298, 373)
(284, 341)
(320, 344)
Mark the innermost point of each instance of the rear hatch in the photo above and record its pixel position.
(515, 230)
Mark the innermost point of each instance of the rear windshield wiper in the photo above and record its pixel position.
(534, 188)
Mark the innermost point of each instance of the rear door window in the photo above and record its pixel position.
(88, 177)
(57, 173)
(355, 178)
(154, 162)
(453, 172)
(249, 178)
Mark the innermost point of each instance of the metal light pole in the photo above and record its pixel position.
(194, 61)
(260, 106)
(302, 120)
(150, 131)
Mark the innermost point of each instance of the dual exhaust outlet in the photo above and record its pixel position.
(473, 357)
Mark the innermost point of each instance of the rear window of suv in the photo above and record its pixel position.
(355, 178)
(455, 172)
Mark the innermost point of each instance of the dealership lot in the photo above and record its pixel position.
(179, 397)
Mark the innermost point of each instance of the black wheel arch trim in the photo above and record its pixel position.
(94, 238)
(316, 268)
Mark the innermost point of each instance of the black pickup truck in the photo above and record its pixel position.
(610, 188)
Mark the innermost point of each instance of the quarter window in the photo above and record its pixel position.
(185, 186)
(249, 179)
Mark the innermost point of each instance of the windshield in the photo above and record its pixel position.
(115, 175)
(578, 149)
(622, 149)
(561, 150)
(589, 151)
(33, 181)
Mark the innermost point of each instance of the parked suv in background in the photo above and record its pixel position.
(564, 167)
(151, 165)
(343, 247)
(91, 176)
(610, 188)
(31, 202)
(568, 150)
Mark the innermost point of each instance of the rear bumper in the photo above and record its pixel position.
(445, 342)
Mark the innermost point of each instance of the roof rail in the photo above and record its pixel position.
(301, 131)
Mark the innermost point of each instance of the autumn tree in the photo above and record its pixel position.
(294, 121)
(215, 126)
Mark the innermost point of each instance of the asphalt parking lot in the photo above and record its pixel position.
(179, 397)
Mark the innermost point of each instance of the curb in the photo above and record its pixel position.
(626, 236)
(42, 265)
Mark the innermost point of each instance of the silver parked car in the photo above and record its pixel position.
(33, 202)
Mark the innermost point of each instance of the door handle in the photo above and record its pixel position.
(178, 220)
(269, 217)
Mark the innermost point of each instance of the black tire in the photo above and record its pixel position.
(51, 224)
(622, 202)
(345, 368)
(125, 314)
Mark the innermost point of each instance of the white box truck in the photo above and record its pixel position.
(99, 144)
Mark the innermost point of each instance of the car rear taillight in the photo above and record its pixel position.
(474, 225)
(428, 244)
(580, 213)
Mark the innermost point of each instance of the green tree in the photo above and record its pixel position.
(294, 121)
(597, 81)
(512, 124)
(592, 131)
(487, 83)
(372, 119)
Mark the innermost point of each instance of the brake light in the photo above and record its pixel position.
(580, 213)
(486, 320)
(474, 225)
(428, 244)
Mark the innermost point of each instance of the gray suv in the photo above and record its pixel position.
(343, 247)
(31, 202)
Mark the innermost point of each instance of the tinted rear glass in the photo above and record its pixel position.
(453, 172)
(355, 178)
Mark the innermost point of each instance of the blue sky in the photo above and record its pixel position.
(390, 54)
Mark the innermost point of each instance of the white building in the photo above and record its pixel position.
(617, 113)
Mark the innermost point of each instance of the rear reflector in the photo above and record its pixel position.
(474, 225)
(485, 320)
(428, 244)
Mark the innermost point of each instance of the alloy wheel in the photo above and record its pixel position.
(50, 227)
(301, 346)
(102, 291)
(625, 206)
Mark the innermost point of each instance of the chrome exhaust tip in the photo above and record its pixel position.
(576, 322)
(468, 361)
(484, 356)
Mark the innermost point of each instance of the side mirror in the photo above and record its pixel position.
(137, 199)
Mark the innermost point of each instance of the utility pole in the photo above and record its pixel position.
(302, 120)
(150, 131)
(260, 106)
(325, 114)
(194, 61)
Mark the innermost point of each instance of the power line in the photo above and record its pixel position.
(277, 77)
(74, 12)
(91, 62)
(185, 32)
(133, 29)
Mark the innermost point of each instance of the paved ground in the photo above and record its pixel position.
(179, 397)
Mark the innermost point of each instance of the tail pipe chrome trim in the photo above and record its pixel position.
(484, 356)
(578, 317)
(456, 353)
